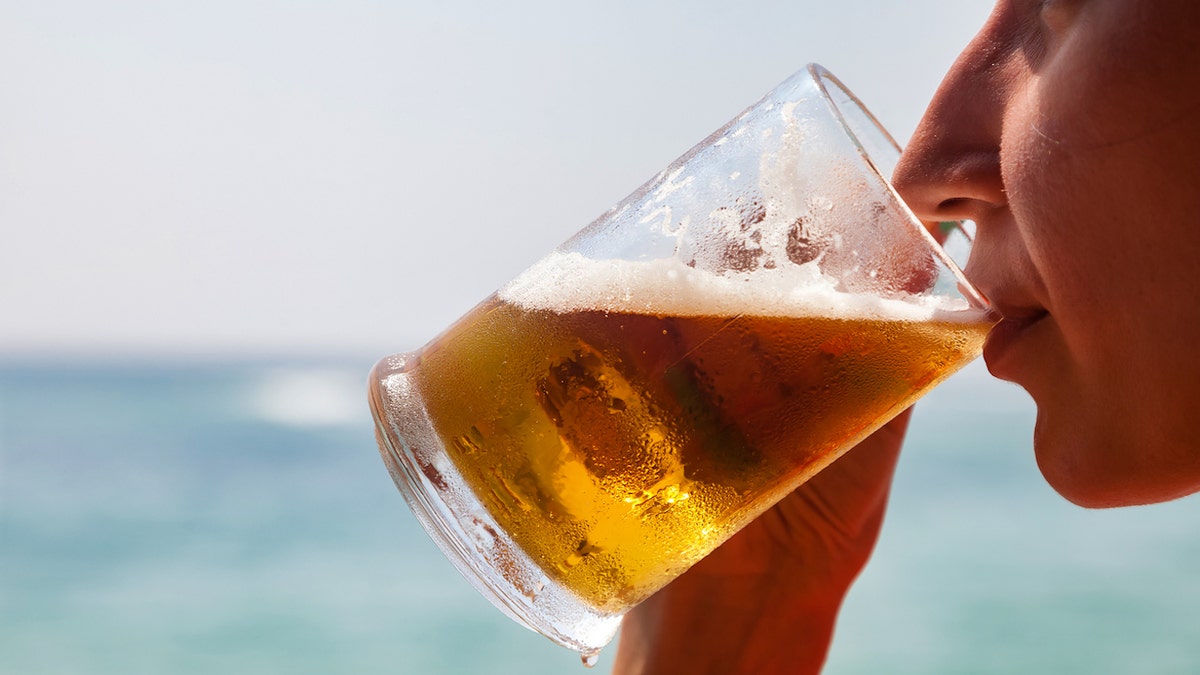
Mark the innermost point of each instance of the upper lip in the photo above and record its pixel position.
(1012, 304)
(1019, 313)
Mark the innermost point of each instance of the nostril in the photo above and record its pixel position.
(956, 208)
(956, 184)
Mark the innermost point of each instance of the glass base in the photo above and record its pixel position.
(461, 526)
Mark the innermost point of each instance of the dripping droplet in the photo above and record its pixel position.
(590, 658)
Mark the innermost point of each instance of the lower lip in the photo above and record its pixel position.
(1002, 340)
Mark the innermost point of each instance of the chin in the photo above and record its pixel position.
(1100, 475)
(1092, 494)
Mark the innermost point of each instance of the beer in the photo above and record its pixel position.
(618, 441)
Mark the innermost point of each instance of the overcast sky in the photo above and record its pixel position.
(245, 176)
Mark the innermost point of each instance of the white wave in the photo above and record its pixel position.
(309, 397)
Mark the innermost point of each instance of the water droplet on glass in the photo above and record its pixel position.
(590, 658)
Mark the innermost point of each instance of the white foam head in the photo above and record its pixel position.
(566, 282)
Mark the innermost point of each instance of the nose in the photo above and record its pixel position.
(951, 167)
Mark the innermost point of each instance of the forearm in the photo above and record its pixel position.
(766, 601)
(729, 625)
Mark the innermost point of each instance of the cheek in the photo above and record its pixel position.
(1117, 388)
(1101, 167)
(1073, 210)
(1105, 413)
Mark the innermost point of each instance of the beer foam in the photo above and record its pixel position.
(570, 282)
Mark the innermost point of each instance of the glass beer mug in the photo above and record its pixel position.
(620, 409)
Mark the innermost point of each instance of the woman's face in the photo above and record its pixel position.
(1069, 131)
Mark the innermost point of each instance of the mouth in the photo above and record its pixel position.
(1005, 337)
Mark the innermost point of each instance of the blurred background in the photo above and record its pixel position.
(216, 216)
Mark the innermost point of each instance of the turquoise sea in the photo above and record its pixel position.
(234, 517)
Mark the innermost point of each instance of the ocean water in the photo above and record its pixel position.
(235, 518)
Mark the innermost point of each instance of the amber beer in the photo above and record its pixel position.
(619, 441)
